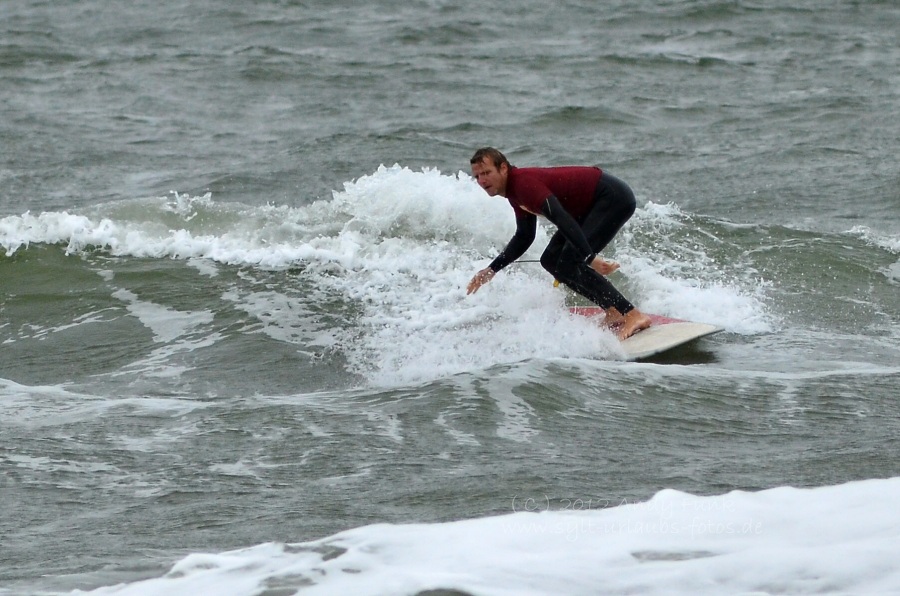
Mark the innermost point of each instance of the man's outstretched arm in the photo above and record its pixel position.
(526, 229)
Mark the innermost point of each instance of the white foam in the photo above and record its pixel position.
(401, 245)
(282, 317)
(677, 277)
(45, 406)
(176, 332)
(893, 272)
(167, 324)
(883, 241)
(888, 242)
(839, 539)
(40, 332)
(238, 468)
(204, 266)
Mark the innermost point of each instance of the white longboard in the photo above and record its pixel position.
(664, 334)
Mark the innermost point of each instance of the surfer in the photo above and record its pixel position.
(588, 208)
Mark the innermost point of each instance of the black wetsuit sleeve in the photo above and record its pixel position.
(526, 227)
(565, 223)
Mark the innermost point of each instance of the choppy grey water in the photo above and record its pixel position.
(223, 324)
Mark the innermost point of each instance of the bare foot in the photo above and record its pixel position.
(633, 322)
(613, 317)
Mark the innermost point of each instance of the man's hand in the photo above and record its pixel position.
(481, 278)
(603, 267)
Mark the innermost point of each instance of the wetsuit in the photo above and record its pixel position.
(588, 208)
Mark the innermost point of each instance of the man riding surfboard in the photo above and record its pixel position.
(588, 207)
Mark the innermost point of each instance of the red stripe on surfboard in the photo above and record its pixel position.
(596, 311)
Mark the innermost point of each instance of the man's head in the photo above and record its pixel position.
(490, 169)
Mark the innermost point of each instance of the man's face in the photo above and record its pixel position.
(490, 178)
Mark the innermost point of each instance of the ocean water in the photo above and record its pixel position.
(237, 357)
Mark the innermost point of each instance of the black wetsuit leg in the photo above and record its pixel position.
(614, 204)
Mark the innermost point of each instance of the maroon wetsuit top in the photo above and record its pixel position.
(574, 186)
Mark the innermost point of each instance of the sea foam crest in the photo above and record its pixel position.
(683, 266)
(837, 539)
(402, 245)
(881, 240)
(399, 202)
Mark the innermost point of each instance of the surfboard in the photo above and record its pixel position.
(664, 334)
